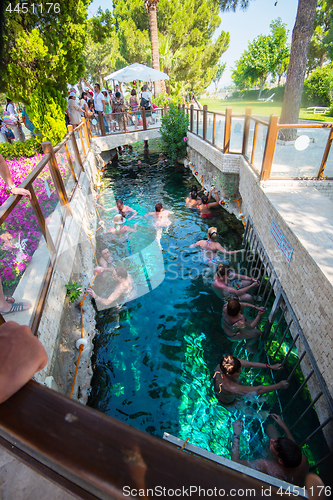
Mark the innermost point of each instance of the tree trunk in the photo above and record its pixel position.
(100, 77)
(154, 43)
(322, 60)
(302, 34)
(261, 88)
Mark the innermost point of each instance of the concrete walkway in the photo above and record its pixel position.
(19, 482)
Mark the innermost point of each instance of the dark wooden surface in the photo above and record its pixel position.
(102, 455)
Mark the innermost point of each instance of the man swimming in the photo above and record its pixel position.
(106, 259)
(288, 463)
(119, 227)
(122, 209)
(124, 291)
(211, 247)
(161, 216)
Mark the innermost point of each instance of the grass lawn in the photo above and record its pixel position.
(259, 108)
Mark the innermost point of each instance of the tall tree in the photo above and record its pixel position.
(189, 26)
(219, 72)
(320, 42)
(302, 33)
(42, 52)
(151, 8)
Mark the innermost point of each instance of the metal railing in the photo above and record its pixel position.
(282, 335)
(52, 184)
(256, 140)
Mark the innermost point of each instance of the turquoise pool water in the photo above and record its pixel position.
(155, 357)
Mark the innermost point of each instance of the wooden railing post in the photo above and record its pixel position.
(254, 142)
(247, 122)
(204, 122)
(86, 134)
(124, 120)
(214, 129)
(191, 117)
(101, 123)
(74, 143)
(198, 116)
(165, 109)
(227, 130)
(271, 138)
(82, 142)
(326, 153)
(144, 119)
(56, 176)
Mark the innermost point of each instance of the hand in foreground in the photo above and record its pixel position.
(22, 192)
(284, 384)
(21, 356)
(237, 426)
(92, 293)
(98, 270)
(277, 366)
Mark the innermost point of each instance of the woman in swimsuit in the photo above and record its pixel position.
(226, 379)
(236, 327)
(211, 247)
(193, 201)
(228, 285)
(205, 205)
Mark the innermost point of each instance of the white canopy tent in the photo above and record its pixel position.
(137, 71)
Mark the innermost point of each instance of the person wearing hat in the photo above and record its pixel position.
(211, 248)
(73, 110)
(99, 103)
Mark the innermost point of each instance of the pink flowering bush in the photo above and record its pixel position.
(20, 233)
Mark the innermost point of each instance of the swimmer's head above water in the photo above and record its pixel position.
(119, 273)
(194, 195)
(118, 219)
(233, 307)
(230, 365)
(222, 271)
(212, 233)
(287, 452)
(158, 207)
(204, 199)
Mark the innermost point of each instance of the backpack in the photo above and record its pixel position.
(144, 103)
(9, 119)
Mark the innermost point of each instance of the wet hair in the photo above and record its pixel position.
(289, 452)
(212, 233)
(194, 188)
(102, 250)
(118, 219)
(158, 207)
(194, 195)
(120, 210)
(121, 272)
(83, 94)
(233, 307)
(98, 85)
(133, 92)
(222, 270)
(117, 94)
(230, 365)
(204, 199)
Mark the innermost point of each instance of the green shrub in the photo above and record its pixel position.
(174, 132)
(74, 291)
(167, 99)
(318, 88)
(20, 149)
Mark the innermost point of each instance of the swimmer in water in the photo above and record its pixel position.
(122, 209)
(140, 164)
(124, 291)
(287, 461)
(228, 285)
(193, 200)
(211, 247)
(119, 227)
(236, 327)
(205, 204)
(105, 260)
(226, 380)
(161, 216)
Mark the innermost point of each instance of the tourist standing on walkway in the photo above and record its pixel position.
(134, 105)
(73, 110)
(99, 103)
(13, 121)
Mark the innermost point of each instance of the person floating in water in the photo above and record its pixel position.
(236, 327)
(287, 461)
(161, 158)
(228, 386)
(119, 227)
(140, 164)
(205, 204)
(211, 248)
(122, 209)
(228, 285)
(161, 220)
(124, 291)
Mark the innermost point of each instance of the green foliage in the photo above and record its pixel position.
(265, 55)
(20, 149)
(74, 291)
(167, 99)
(318, 88)
(42, 52)
(187, 52)
(320, 44)
(219, 72)
(174, 132)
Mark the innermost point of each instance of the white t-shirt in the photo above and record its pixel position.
(11, 109)
(146, 95)
(98, 98)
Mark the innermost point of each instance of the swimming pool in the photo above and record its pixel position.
(155, 357)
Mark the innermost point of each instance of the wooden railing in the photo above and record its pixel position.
(74, 147)
(272, 131)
